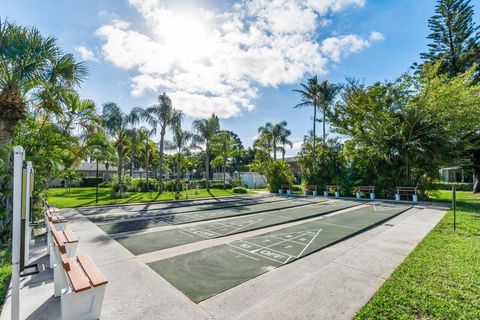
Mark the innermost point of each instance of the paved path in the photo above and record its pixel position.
(331, 284)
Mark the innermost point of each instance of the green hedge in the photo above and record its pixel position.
(239, 190)
(90, 182)
(448, 186)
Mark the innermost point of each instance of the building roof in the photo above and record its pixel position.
(92, 166)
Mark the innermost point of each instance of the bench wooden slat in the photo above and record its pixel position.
(96, 277)
(77, 276)
(69, 236)
(58, 238)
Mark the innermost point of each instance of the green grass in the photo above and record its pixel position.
(78, 197)
(440, 279)
(5, 272)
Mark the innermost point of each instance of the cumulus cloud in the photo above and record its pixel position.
(216, 62)
(86, 53)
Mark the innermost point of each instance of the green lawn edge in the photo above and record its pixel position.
(85, 196)
(440, 279)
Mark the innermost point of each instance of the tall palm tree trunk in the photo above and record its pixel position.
(314, 127)
(160, 165)
(274, 151)
(283, 152)
(224, 173)
(324, 130)
(178, 176)
(207, 168)
(146, 171)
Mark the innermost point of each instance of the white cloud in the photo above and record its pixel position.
(376, 36)
(216, 62)
(86, 53)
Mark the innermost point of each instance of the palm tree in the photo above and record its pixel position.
(148, 146)
(78, 113)
(180, 144)
(225, 147)
(162, 115)
(271, 136)
(30, 63)
(318, 95)
(205, 130)
(99, 148)
(285, 141)
(116, 124)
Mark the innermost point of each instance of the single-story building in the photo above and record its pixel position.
(458, 173)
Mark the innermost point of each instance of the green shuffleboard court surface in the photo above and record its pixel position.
(205, 273)
(154, 241)
(114, 216)
(203, 215)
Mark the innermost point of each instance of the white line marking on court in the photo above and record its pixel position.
(186, 234)
(285, 240)
(242, 227)
(263, 256)
(338, 225)
(309, 243)
(242, 254)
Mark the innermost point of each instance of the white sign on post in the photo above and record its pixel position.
(18, 157)
(28, 203)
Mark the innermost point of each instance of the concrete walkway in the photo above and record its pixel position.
(331, 284)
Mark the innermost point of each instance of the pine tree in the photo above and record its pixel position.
(454, 37)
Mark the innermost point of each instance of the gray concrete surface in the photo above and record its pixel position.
(331, 284)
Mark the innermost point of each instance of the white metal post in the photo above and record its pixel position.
(17, 205)
(27, 219)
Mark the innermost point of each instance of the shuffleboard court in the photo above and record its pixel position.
(143, 214)
(202, 215)
(205, 273)
(154, 241)
(95, 210)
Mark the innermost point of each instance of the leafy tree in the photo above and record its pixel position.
(30, 63)
(454, 37)
(225, 147)
(318, 95)
(204, 132)
(162, 116)
(325, 165)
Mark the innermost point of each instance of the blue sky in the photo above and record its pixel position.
(240, 59)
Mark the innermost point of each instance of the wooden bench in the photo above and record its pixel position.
(286, 187)
(78, 281)
(370, 190)
(311, 188)
(333, 188)
(406, 193)
(65, 239)
(83, 296)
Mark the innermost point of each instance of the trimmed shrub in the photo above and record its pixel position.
(90, 182)
(219, 185)
(140, 185)
(171, 186)
(296, 187)
(239, 190)
(105, 185)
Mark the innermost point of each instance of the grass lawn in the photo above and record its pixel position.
(440, 279)
(5, 271)
(78, 197)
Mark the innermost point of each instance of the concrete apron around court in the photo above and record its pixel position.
(331, 284)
